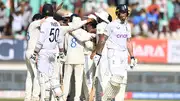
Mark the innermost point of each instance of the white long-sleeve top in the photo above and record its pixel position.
(85, 37)
(32, 37)
(51, 35)
(75, 46)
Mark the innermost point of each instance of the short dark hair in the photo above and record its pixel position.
(93, 23)
(37, 17)
(47, 10)
(58, 17)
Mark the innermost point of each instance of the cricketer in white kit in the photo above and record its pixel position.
(50, 37)
(118, 34)
(86, 39)
(32, 90)
(102, 72)
(74, 59)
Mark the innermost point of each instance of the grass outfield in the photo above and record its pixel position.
(125, 100)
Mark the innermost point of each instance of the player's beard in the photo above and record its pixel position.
(122, 18)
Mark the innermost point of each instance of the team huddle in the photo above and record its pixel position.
(95, 49)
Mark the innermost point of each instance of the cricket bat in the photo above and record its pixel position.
(92, 92)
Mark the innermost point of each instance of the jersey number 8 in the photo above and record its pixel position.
(73, 43)
(54, 33)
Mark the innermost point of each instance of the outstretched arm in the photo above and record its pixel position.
(83, 35)
(73, 27)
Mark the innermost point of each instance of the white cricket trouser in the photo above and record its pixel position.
(48, 75)
(104, 72)
(32, 90)
(118, 63)
(78, 72)
(50, 87)
(102, 75)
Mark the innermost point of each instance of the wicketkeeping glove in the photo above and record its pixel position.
(96, 59)
(61, 57)
(133, 62)
(33, 58)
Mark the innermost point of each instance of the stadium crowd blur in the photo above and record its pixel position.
(159, 19)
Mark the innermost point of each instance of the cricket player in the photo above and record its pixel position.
(74, 58)
(32, 91)
(102, 71)
(45, 51)
(117, 36)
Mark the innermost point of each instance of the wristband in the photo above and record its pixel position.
(132, 57)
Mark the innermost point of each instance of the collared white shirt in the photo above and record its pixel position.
(75, 48)
(118, 34)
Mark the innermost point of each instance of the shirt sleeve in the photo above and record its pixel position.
(101, 28)
(42, 36)
(72, 27)
(83, 35)
(61, 40)
(107, 30)
(34, 25)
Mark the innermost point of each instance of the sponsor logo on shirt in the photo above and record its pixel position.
(121, 35)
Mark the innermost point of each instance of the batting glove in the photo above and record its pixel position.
(133, 62)
(33, 58)
(96, 59)
(61, 57)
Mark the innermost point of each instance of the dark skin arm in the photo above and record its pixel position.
(100, 45)
(130, 47)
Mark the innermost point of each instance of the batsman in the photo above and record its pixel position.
(117, 37)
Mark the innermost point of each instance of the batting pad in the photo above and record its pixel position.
(112, 88)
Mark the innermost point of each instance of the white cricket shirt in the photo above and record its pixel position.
(75, 49)
(50, 36)
(117, 35)
(32, 37)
